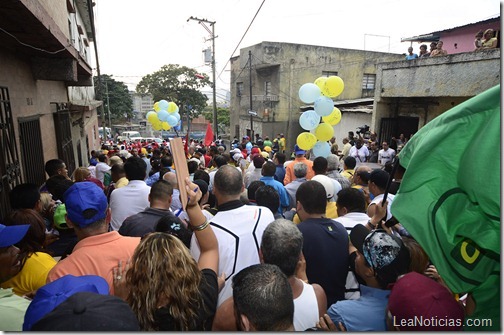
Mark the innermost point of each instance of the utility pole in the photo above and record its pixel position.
(108, 106)
(212, 37)
(250, 96)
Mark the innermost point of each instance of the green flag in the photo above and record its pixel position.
(449, 199)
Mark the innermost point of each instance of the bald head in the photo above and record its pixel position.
(228, 181)
(171, 178)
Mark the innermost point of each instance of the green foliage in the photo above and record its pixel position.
(222, 115)
(178, 84)
(118, 96)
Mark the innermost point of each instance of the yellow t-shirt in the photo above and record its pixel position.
(331, 212)
(33, 275)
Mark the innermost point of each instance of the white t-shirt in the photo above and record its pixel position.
(386, 156)
(128, 200)
(359, 154)
(378, 199)
(239, 232)
(100, 170)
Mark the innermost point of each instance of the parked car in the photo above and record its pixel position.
(153, 139)
(131, 136)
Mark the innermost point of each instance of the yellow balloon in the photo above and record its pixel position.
(334, 118)
(157, 126)
(165, 126)
(156, 106)
(320, 82)
(152, 118)
(172, 107)
(324, 132)
(333, 86)
(306, 140)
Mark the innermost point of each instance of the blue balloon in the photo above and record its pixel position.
(163, 105)
(321, 149)
(309, 92)
(177, 115)
(163, 115)
(309, 120)
(323, 106)
(172, 120)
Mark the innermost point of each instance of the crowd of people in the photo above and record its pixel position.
(269, 240)
(482, 40)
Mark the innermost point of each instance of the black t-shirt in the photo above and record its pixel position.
(209, 290)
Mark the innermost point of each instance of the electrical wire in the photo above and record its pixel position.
(246, 31)
(35, 48)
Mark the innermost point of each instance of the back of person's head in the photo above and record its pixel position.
(268, 197)
(332, 162)
(117, 170)
(166, 260)
(379, 178)
(258, 161)
(418, 257)
(81, 173)
(49, 296)
(220, 160)
(57, 186)
(34, 239)
(281, 245)
(312, 196)
(102, 158)
(228, 180)
(192, 166)
(25, 195)
(320, 165)
(87, 311)
(161, 190)
(352, 199)
(263, 299)
(135, 168)
(86, 205)
(53, 165)
(280, 157)
(203, 175)
(171, 177)
(167, 161)
(300, 170)
(415, 295)
(364, 173)
(253, 187)
(268, 169)
(167, 224)
(350, 162)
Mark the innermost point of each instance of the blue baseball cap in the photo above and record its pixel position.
(49, 296)
(298, 150)
(10, 235)
(85, 203)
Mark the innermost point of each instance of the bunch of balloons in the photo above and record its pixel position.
(164, 116)
(320, 94)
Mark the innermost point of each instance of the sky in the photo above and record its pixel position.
(136, 38)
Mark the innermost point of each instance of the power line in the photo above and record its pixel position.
(241, 38)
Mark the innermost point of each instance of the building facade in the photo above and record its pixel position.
(47, 101)
(267, 83)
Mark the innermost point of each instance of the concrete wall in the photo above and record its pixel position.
(426, 88)
(288, 66)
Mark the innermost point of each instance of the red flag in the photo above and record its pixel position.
(209, 135)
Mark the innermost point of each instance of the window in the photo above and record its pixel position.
(239, 89)
(329, 73)
(267, 88)
(368, 85)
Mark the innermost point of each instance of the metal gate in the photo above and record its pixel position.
(32, 152)
(64, 136)
(10, 171)
(388, 129)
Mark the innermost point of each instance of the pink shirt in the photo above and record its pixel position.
(96, 255)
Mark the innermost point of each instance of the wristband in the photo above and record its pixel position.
(200, 227)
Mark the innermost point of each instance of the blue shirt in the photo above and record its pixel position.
(410, 57)
(364, 314)
(282, 193)
(280, 173)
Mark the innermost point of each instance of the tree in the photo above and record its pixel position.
(179, 84)
(119, 99)
(222, 115)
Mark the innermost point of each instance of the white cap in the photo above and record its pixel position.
(327, 183)
(237, 157)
